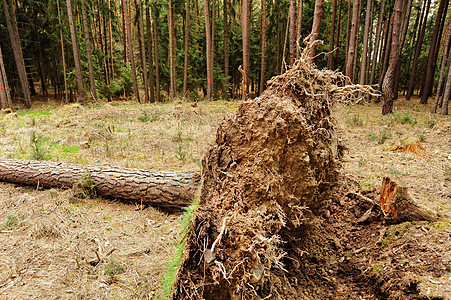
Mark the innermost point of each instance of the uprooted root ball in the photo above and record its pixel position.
(264, 180)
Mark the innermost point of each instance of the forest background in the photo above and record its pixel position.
(85, 50)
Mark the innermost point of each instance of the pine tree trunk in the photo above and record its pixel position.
(363, 70)
(3, 82)
(130, 51)
(246, 44)
(8, 103)
(11, 23)
(142, 49)
(208, 50)
(330, 61)
(299, 28)
(445, 57)
(110, 35)
(378, 39)
(431, 64)
(157, 188)
(292, 14)
(447, 92)
(317, 15)
(62, 52)
(124, 32)
(171, 29)
(88, 51)
(387, 50)
(226, 44)
(349, 70)
(338, 47)
(263, 43)
(387, 85)
(405, 25)
(348, 33)
(212, 53)
(185, 66)
(76, 50)
(157, 55)
(150, 54)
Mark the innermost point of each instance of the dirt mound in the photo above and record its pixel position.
(275, 160)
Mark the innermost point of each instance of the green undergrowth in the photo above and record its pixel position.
(174, 265)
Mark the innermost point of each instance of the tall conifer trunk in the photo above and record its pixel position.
(88, 51)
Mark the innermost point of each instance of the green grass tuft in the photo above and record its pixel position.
(113, 267)
(10, 222)
(174, 265)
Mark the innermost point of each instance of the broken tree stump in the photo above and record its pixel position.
(398, 206)
(156, 188)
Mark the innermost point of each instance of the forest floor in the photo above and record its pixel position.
(56, 246)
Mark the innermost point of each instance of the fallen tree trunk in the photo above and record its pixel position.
(156, 188)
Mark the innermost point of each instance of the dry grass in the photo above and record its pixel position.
(54, 249)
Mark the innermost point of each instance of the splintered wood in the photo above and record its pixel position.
(398, 206)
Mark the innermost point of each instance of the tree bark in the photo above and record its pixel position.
(431, 64)
(447, 92)
(172, 71)
(387, 50)
(208, 50)
(330, 62)
(405, 26)
(418, 51)
(299, 28)
(292, 13)
(212, 53)
(226, 44)
(124, 32)
(263, 42)
(76, 49)
(337, 53)
(348, 33)
(363, 70)
(387, 84)
(445, 57)
(380, 21)
(11, 23)
(317, 15)
(185, 65)
(158, 188)
(157, 55)
(88, 51)
(62, 52)
(150, 54)
(349, 70)
(130, 50)
(142, 48)
(246, 43)
(6, 101)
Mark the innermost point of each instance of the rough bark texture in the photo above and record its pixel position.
(208, 51)
(131, 56)
(185, 65)
(349, 70)
(5, 98)
(11, 23)
(246, 42)
(263, 42)
(88, 51)
(142, 49)
(417, 51)
(76, 50)
(156, 51)
(172, 72)
(398, 206)
(226, 44)
(292, 13)
(162, 189)
(447, 92)
(62, 53)
(299, 27)
(442, 78)
(150, 53)
(388, 83)
(435, 42)
(378, 39)
(363, 70)
(318, 14)
(330, 61)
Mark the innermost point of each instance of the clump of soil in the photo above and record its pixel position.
(258, 231)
